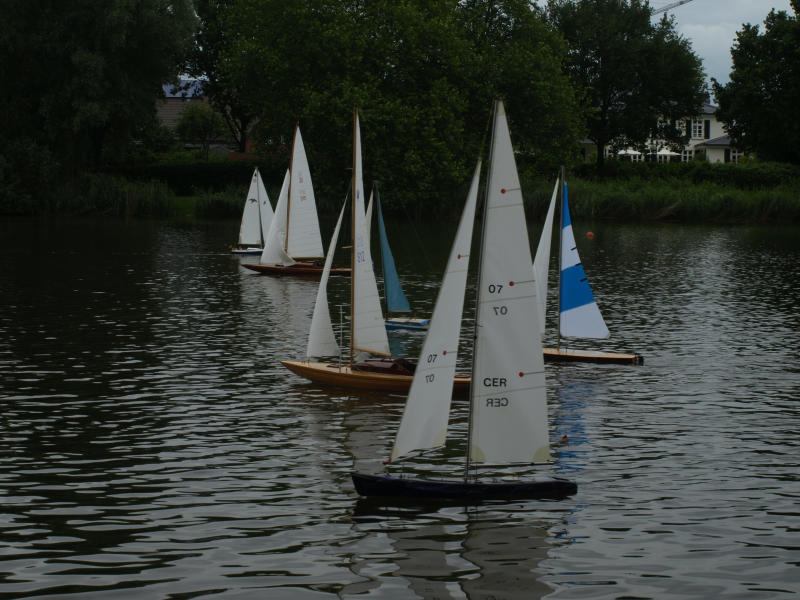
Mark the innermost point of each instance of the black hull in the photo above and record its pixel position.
(400, 487)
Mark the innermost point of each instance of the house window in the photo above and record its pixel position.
(687, 154)
(698, 129)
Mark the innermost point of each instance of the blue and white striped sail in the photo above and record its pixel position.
(579, 314)
(396, 300)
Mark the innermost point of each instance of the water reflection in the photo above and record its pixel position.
(153, 446)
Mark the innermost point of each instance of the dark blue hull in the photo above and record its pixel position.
(401, 487)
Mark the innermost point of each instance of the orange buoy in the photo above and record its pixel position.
(590, 235)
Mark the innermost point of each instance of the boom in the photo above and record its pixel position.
(668, 6)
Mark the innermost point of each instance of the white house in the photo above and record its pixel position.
(707, 141)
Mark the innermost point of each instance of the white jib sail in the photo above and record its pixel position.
(424, 422)
(509, 394)
(304, 238)
(541, 261)
(273, 253)
(265, 208)
(369, 329)
(250, 229)
(368, 221)
(321, 338)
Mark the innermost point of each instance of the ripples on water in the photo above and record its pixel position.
(153, 447)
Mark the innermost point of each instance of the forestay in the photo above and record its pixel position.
(424, 422)
(579, 314)
(368, 329)
(508, 395)
(304, 239)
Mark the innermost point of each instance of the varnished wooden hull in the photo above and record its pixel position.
(555, 355)
(299, 269)
(343, 376)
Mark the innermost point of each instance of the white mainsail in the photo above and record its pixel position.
(265, 209)
(303, 236)
(508, 393)
(321, 338)
(424, 422)
(250, 233)
(541, 261)
(273, 253)
(368, 328)
(368, 219)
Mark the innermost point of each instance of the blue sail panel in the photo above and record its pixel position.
(396, 300)
(579, 313)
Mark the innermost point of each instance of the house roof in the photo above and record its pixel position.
(723, 141)
(708, 109)
(187, 88)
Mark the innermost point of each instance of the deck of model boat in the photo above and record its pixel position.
(563, 355)
(343, 375)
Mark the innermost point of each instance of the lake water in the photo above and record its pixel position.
(151, 445)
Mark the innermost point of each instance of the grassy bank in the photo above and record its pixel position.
(675, 200)
(677, 192)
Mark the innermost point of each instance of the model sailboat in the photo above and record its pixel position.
(508, 405)
(293, 244)
(367, 329)
(395, 298)
(256, 218)
(578, 313)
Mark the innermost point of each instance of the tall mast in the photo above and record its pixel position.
(484, 215)
(560, 250)
(353, 235)
(289, 200)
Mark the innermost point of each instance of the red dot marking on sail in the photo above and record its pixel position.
(459, 257)
(444, 352)
(511, 283)
(521, 374)
(503, 191)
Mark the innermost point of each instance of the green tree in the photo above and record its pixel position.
(758, 103)
(423, 75)
(201, 124)
(79, 76)
(639, 79)
(213, 43)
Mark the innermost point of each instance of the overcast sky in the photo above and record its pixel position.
(711, 26)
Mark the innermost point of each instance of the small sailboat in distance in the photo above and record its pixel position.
(368, 335)
(256, 218)
(508, 422)
(578, 313)
(293, 244)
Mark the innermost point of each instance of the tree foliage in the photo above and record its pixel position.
(422, 73)
(638, 79)
(79, 76)
(202, 124)
(758, 103)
